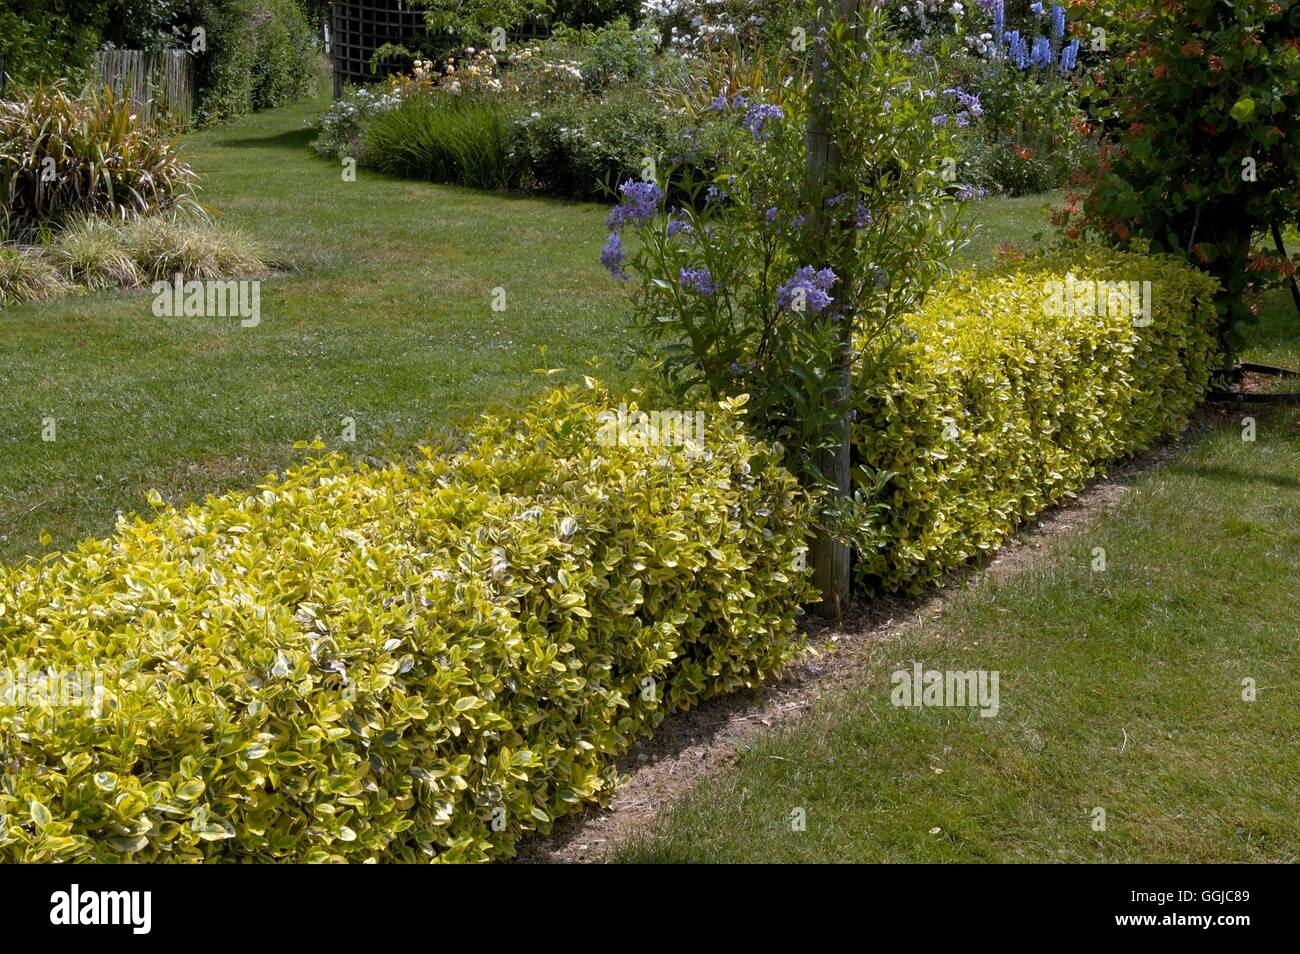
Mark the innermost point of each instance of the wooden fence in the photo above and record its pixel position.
(159, 84)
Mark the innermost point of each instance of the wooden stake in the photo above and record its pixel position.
(831, 559)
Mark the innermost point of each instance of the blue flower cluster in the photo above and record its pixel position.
(611, 256)
(969, 103)
(700, 279)
(758, 116)
(1042, 51)
(640, 203)
(1041, 55)
(1069, 56)
(1058, 22)
(755, 116)
(676, 225)
(808, 291)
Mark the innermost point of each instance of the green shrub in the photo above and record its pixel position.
(284, 68)
(42, 40)
(343, 125)
(357, 663)
(1000, 408)
(613, 54)
(584, 148)
(443, 138)
(63, 156)
(45, 40)
(260, 54)
(1198, 111)
(1004, 165)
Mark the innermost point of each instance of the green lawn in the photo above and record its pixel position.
(384, 316)
(1119, 690)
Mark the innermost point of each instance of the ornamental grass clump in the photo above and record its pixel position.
(409, 662)
(443, 138)
(25, 276)
(91, 252)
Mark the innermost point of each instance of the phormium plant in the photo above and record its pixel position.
(62, 155)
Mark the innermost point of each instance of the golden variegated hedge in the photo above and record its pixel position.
(414, 663)
(1012, 395)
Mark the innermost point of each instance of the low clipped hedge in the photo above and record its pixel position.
(997, 407)
(405, 662)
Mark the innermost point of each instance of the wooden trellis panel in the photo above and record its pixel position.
(359, 27)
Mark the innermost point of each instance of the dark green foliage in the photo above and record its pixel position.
(443, 138)
(260, 54)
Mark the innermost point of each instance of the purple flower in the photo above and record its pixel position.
(1016, 49)
(1037, 7)
(969, 192)
(757, 118)
(714, 194)
(1042, 52)
(969, 102)
(807, 291)
(719, 103)
(611, 256)
(914, 48)
(999, 19)
(1069, 56)
(700, 279)
(863, 217)
(1058, 22)
(641, 203)
(940, 119)
(798, 222)
(679, 225)
(835, 200)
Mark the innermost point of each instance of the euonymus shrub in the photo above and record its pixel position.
(413, 663)
(1010, 395)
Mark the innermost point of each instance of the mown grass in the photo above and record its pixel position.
(1119, 690)
(383, 315)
